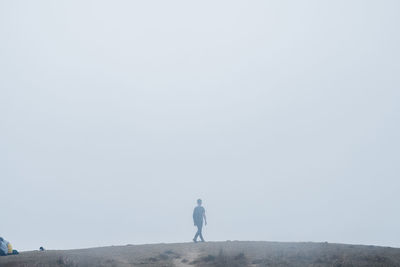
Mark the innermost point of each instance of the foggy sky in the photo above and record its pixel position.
(115, 116)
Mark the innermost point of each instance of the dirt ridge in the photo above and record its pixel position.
(229, 253)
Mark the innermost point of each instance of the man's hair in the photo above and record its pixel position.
(199, 201)
(1, 239)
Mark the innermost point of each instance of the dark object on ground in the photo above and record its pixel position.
(41, 249)
(14, 252)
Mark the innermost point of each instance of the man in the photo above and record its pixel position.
(198, 214)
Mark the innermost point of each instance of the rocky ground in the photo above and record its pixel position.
(235, 253)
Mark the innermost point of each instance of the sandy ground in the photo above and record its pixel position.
(235, 253)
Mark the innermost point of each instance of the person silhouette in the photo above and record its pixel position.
(198, 214)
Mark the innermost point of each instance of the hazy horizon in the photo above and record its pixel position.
(283, 116)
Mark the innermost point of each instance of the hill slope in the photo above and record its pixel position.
(235, 253)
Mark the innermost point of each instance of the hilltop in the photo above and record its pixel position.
(230, 253)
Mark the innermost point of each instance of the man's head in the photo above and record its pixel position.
(1, 239)
(199, 202)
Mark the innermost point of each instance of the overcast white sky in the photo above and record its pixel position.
(115, 116)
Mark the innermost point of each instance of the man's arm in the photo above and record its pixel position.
(205, 218)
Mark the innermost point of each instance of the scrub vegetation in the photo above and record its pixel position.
(228, 253)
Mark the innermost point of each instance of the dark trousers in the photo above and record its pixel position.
(199, 229)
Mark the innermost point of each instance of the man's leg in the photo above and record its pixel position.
(196, 235)
(200, 227)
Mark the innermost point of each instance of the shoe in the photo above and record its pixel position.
(194, 240)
